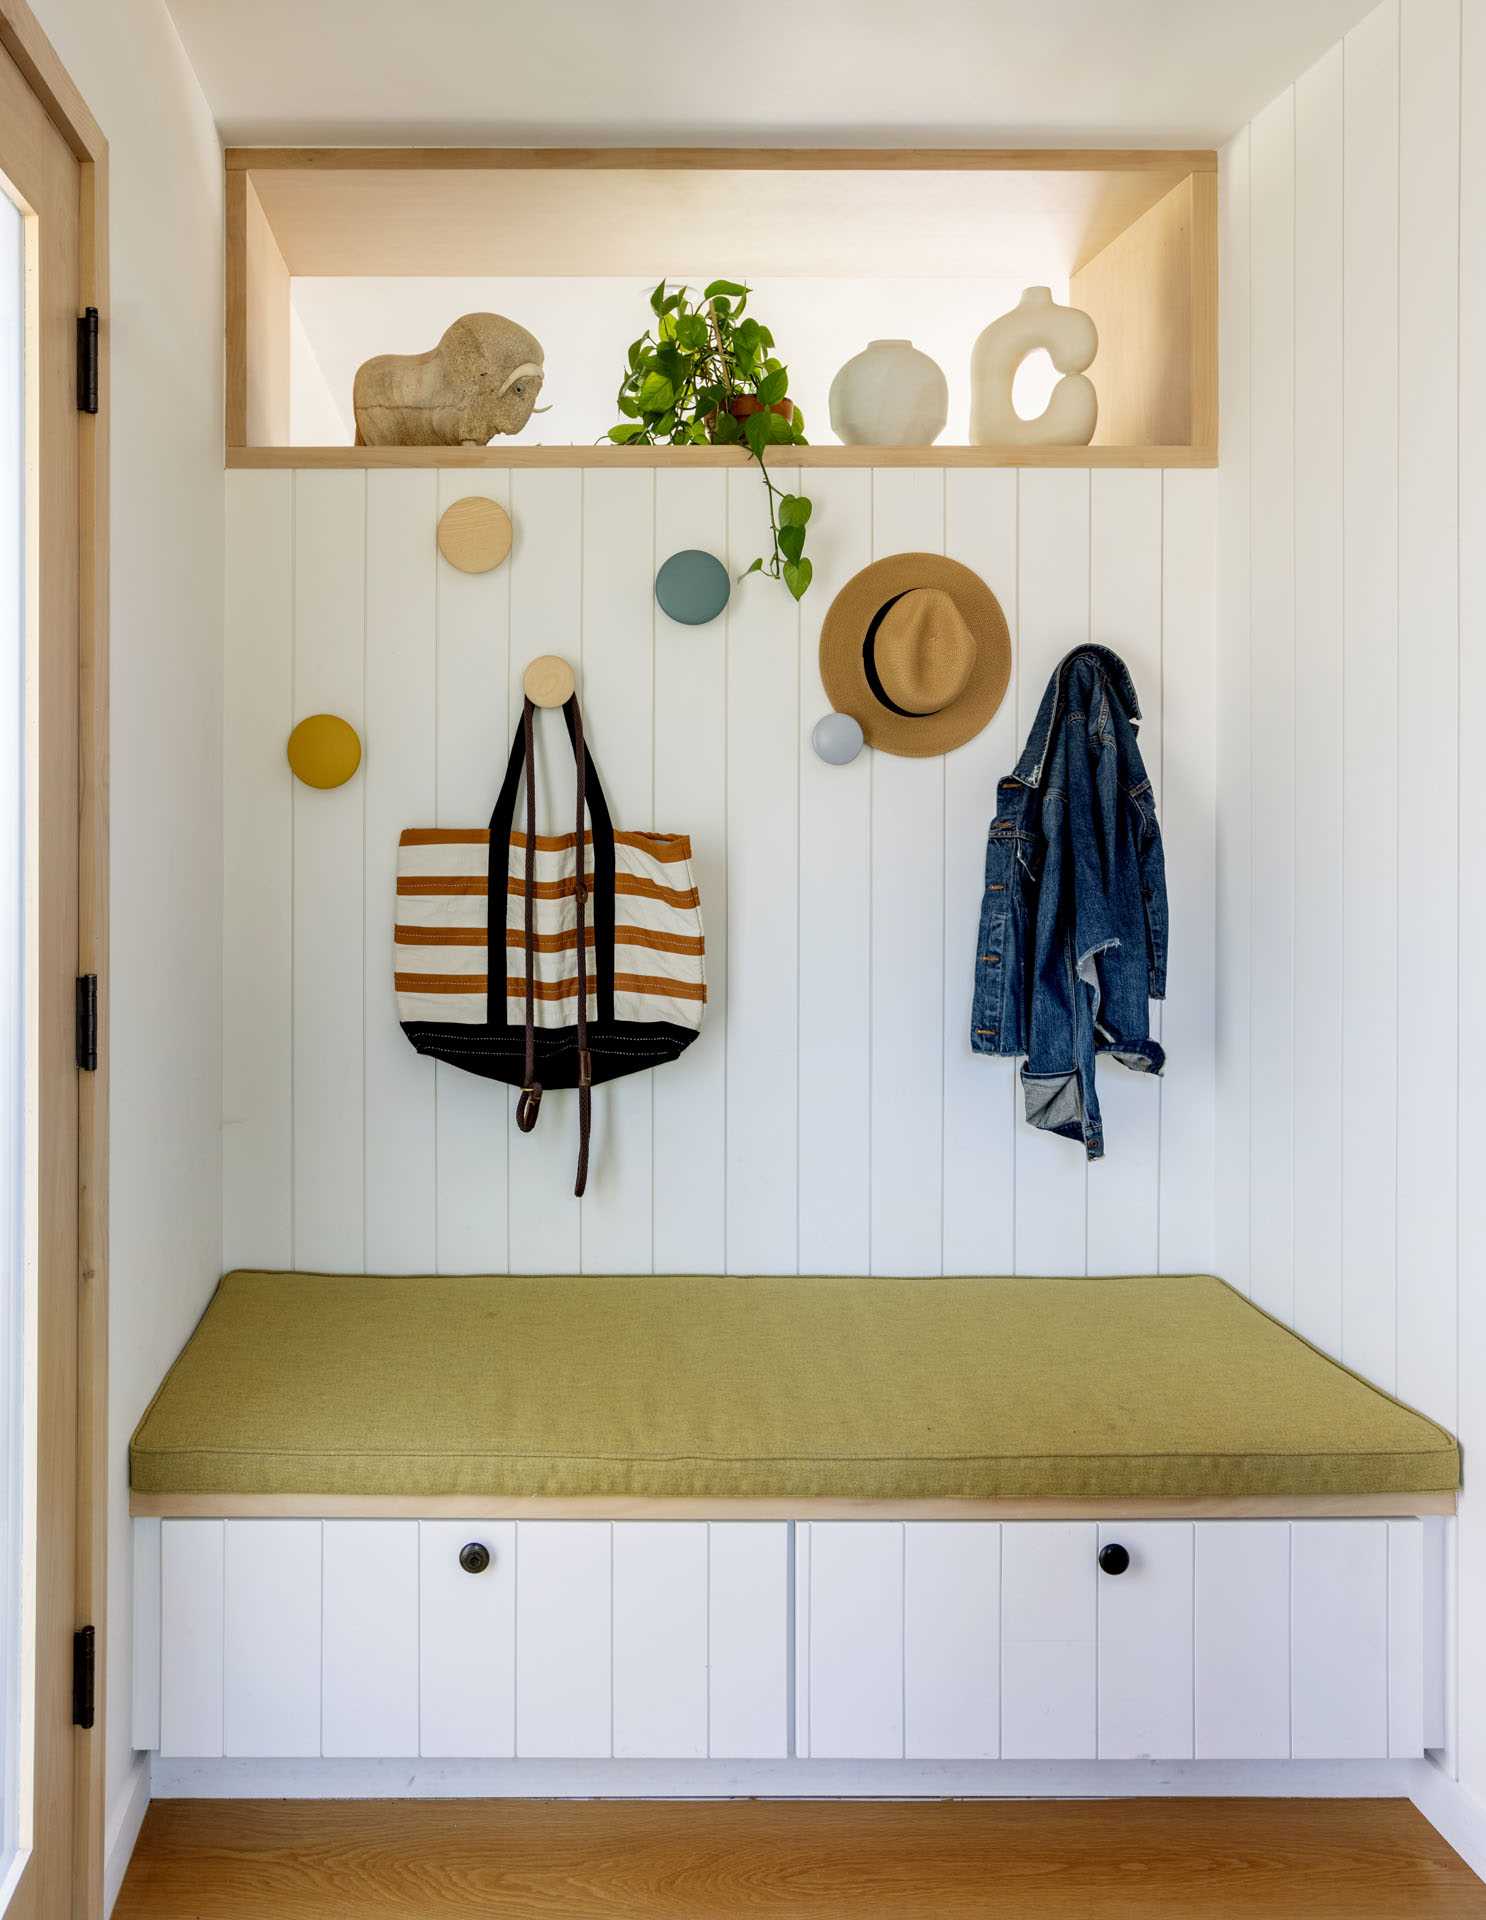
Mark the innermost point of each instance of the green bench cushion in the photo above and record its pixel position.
(709, 1387)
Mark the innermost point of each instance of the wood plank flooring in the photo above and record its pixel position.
(711, 1860)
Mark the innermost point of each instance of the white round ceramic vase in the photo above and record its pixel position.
(889, 395)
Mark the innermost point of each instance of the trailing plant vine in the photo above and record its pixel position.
(705, 374)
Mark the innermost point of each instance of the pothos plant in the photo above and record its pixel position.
(705, 374)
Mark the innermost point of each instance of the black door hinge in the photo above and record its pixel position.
(87, 1022)
(87, 361)
(84, 1673)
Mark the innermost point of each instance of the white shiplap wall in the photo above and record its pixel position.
(1352, 616)
(831, 1118)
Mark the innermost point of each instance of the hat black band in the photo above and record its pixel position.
(869, 661)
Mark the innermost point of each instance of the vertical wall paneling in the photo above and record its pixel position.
(546, 617)
(691, 773)
(144, 1623)
(1428, 698)
(466, 1642)
(763, 762)
(660, 1639)
(1234, 733)
(1319, 404)
(1053, 616)
(1471, 1358)
(1184, 788)
(272, 1640)
(618, 685)
(763, 899)
(1339, 1639)
(369, 1658)
(399, 772)
(907, 873)
(854, 892)
(258, 859)
(835, 918)
(564, 1593)
(1405, 1639)
(1272, 714)
(192, 1610)
(1145, 1643)
(748, 1596)
(980, 1090)
(1369, 948)
(951, 1640)
(856, 1629)
(474, 728)
(329, 1020)
(907, 941)
(1125, 604)
(1241, 1667)
(1048, 1640)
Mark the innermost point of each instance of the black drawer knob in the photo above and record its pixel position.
(1114, 1558)
(475, 1557)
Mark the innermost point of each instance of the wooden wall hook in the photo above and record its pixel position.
(548, 681)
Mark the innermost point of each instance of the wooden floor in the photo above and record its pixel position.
(709, 1860)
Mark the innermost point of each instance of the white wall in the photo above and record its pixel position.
(1352, 904)
(165, 337)
(831, 1117)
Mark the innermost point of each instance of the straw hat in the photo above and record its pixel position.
(915, 648)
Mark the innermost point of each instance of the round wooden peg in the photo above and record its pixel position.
(475, 534)
(548, 681)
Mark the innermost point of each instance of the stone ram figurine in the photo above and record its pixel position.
(482, 379)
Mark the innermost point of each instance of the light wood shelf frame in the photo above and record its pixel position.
(1152, 290)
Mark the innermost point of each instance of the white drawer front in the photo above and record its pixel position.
(953, 1640)
(467, 1641)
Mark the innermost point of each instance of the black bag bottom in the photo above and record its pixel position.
(615, 1048)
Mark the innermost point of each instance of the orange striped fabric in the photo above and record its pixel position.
(440, 937)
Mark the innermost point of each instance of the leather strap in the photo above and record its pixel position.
(530, 1103)
(585, 1064)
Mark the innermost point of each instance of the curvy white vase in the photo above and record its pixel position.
(1071, 340)
(889, 395)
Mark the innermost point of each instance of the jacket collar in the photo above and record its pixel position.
(1116, 675)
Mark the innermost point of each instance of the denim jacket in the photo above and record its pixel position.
(1073, 920)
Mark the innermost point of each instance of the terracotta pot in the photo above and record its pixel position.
(744, 404)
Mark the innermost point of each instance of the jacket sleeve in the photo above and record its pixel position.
(1152, 885)
(1093, 809)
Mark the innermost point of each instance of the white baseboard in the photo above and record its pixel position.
(778, 1779)
(1453, 1812)
(125, 1818)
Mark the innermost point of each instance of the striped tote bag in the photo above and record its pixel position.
(595, 968)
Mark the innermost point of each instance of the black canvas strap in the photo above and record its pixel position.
(593, 899)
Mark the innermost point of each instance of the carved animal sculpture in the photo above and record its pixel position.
(482, 379)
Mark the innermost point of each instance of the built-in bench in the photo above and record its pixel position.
(719, 1518)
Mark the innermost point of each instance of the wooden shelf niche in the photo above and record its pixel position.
(1134, 233)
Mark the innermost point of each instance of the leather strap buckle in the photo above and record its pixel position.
(585, 1067)
(528, 1106)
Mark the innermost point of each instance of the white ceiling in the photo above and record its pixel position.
(831, 72)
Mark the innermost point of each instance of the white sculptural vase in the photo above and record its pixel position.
(1071, 340)
(890, 395)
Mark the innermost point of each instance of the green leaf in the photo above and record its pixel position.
(666, 423)
(657, 393)
(757, 567)
(723, 286)
(791, 542)
(691, 331)
(722, 308)
(756, 432)
(797, 576)
(658, 298)
(622, 435)
(629, 408)
(776, 427)
(773, 387)
(794, 510)
(728, 431)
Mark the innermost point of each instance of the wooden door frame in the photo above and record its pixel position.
(27, 45)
